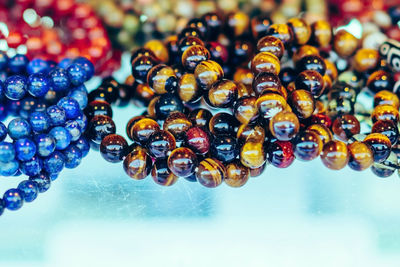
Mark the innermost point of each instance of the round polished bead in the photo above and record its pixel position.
(80, 95)
(138, 164)
(321, 33)
(222, 94)
(7, 151)
(76, 74)
(385, 112)
(158, 48)
(9, 168)
(335, 155)
(54, 163)
(74, 129)
(38, 85)
(166, 104)
(280, 154)
(210, 172)
(361, 156)
(162, 79)
(284, 125)
(31, 167)
(142, 129)
(322, 131)
(56, 115)
(207, 73)
(214, 24)
(245, 109)
(177, 123)
(59, 80)
(266, 82)
(302, 103)
(42, 182)
(387, 128)
(187, 42)
(29, 190)
(113, 148)
(3, 131)
(269, 104)
(380, 80)
(344, 43)
(193, 55)
(222, 123)
(258, 171)
(301, 30)
(160, 143)
(71, 107)
(19, 128)
(15, 87)
(39, 121)
(252, 154)
(61, 136)
(236, 174)
(72, 156)
(386, 97)
(25, 149)
(182, 162)
(311, 81)
(345, 126)
(141, 65)
(13, 199)
(161, 174)
(322, 119)
(197, 140)
(83, 144)
(265, 62)
(312, 62)
(99, 127)
(98, 107)
(380, 145)
(188, 89)
(308, 146)
(365, 59)
(271, 45)
(87, 65)
(247, 132)
(200, 117)
(224, 148)
(237, 23)
(282, 32)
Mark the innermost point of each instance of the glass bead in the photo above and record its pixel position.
(335, 155)
(177, 123)
(99, 127)
(59, 79)
(141, 65)
(222, 94)
(9, 168)
(13, 199)
(237, 23)
(308, 146)
(345, 126)
(321, 33)
(29, 190)
(344, 43)
(365, 59)
(284, 125)
(257, 171)
(39, 121)
(361, 156)
(224, 148)
(197, 140)
(187, 42)
(19, 128)
(74, 129)
(166, 104)
(311, 81)
(188, 89)
(311, 62)
(38, 85)
(15, 87)
(7, 151)
(200, 117)
(193, 55)
(61, 136)
(252, 154)
(222, 123)
(161, 174)
(210, 172)
(72, 157)
(301, 30)
(113, 148)
(387, 128)
(31, 167)
(158, 48)
(282, 32)
(247, 132)
(385, 97)
(385, 112)
(182, 162)
(269, 104)
(265, 62)
(280, 154)
(380, 145)
(56, 115)
(83, 144)
(380, 80)
(207, 73)
(160, 144)
(42, 182)
(240, 52)
(3, 131)
(25, 149)
(54, 163)
(98, 107)
(245, 109)
(302, 103)
(322, 131)
(387, 167)
(267, 82)
(272, 45)
(236, 174)
(162, 79)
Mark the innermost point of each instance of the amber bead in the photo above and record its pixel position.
(387, 167)
(311, 81)
(312, 62)
(98, 107)
(387, 128)
(222, 123)
(166, 104)
(236, 174)
(302, 103)
(197, 140)
(193, 55)
(200, 117)
(222, 94)
(380, 145)
(151, 108)
(386, 97)
(188, 89)
(99, 127)
(161, 78)
(267, 82)
(138, 164)
(380, 80)
(260, 25)
(113, 148)
(322, 131)
(244, 76)
(321, 33)
(208, 72)
(335, 155)
(366, 59)
(301, 30)
(237, 23)
(305, 50)
(130, 123)
(345, 126)
(257, 171)
(158, 48)
(282, 32)
(141, 66)
(284, 125)
(344, 43)
(187, 42)
(361, 156)
(182, 162)
(265, 62)
(224, 148)
(245, 109)
(160, 143)
(142, 129)
(272, 45)
(385, 112)
(143, 92)
(269, 104)
(210, 172)
(247, 132)
(161, 174)
(308, 146)
(252, 154)
(321, 118)
(177, 123)
(280, 154)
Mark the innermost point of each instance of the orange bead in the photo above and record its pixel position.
(335, 155)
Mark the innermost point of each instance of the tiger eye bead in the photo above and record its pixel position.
(387, 167)
(187, 42)
(207, 73)
(313, 62)
(305, 50)
(166, 104)
(142, 129)
(265, 81)
(162, 79)
(210, 172)
(380, 80)
(311, 81)
(159, 49)
(322, 131)
(302, 103)
(246, 132)
(321, 119)
(265, 62)
(182, 162)
(198, 140)
(361, 156)
(177, 123)
(141, 66)
(99, 127)
(269, 104)
(143, 93)
(188, 89)
(380, 145)
(321, 33)
(142, 52)
(161, 174)
(130, 123)
(224, 148)
(257, 171)
(200, 117)
(245, 109)
(335, 155)
(308, 146)
(252, 154)
(236, 174)
(345, 126)
(190, 31)
(113, 148)
(219, 53)
(222, 94)
(284, 126)
(260, 25)
(387, 128)
(138, 164)
(386, 97)
(282, 32)
(241, 52)
(98, 107)
(366, 59)
(280, 154)
(301, 30)
(344, 43)
(214, 24)
(160, 143)
(271, 45)
(222, 123)
(237, 23)
(193, 55)
(243, 76)
(151, 108)
(385, 112)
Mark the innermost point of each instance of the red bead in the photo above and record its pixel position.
(280, 154)
(321, 119)
(198, 140)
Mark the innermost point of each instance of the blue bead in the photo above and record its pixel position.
(64, 63)
(83, 145)
(9, 168)
(15, 87)
(54, 163)
(28, 190)
(52, 64)
(82, 121)
(3, 131)
(46, 144)
(70, 106)
(1, 91)
(77, 74)
(3, 111)
(18, 63)
(3, 76)
(56, 115)
(62, 136)
(74, 129)
(31, 167)
(59, 79)
(39, 121)
(87, 65)
(13, 199)
(37, 65)
(53, 176)
(19, 128)
(7, 152)
(2, 206)
(25, 149)
(42, 182)
(72, 156)
(40, 105)
(80, 96)
(3, 61)
(18, 173)
(38, 84)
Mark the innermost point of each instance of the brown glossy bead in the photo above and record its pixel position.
(385, 112)
(98, 107)
(361, 156)
(137, 164)
(365, 59)
(187, 42)
(160, 143)
(141, 66)
(200, 117)
(113, 148)
(130, 123)
(380, 80)
(244, 90)
(143, 92)
(386, 97)
(142, 129)
(269, 104)
(284, 125)
(177, 123)
(245, 109)
(331, 70)
(260, 25)
(222, 94)
(162, 79)
(322, 131)
(265, 62)
(344, 43)
(345, 126)
(321, 33)
(222, 123)
(380, 145)
(244, 76)
(188, 89)
(272, 45)
(305, 50)
(193, 55)
(280, 154)
(247, 132)
(311, 81)
(237, 23)
(335, 155)
(282, 32)
(252, 154)
(197, 140)
(182, 162)
(258, 171)
(161, 174)
(236, 174)
(301, 30)
(266, 81)
(142, 52)
(308, 146)
(210, 172)
(159, 49)
(302, 103)
(387, 167)
(312, 62)
(241, 52)
(387, 128)
(151, 108)
(99, 127)
(207, 73)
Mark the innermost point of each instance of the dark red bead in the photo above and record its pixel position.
(280, 154)
(321, 119)
(198, 140)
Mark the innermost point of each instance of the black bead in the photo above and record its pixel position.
(224, 148)
(167, 104)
